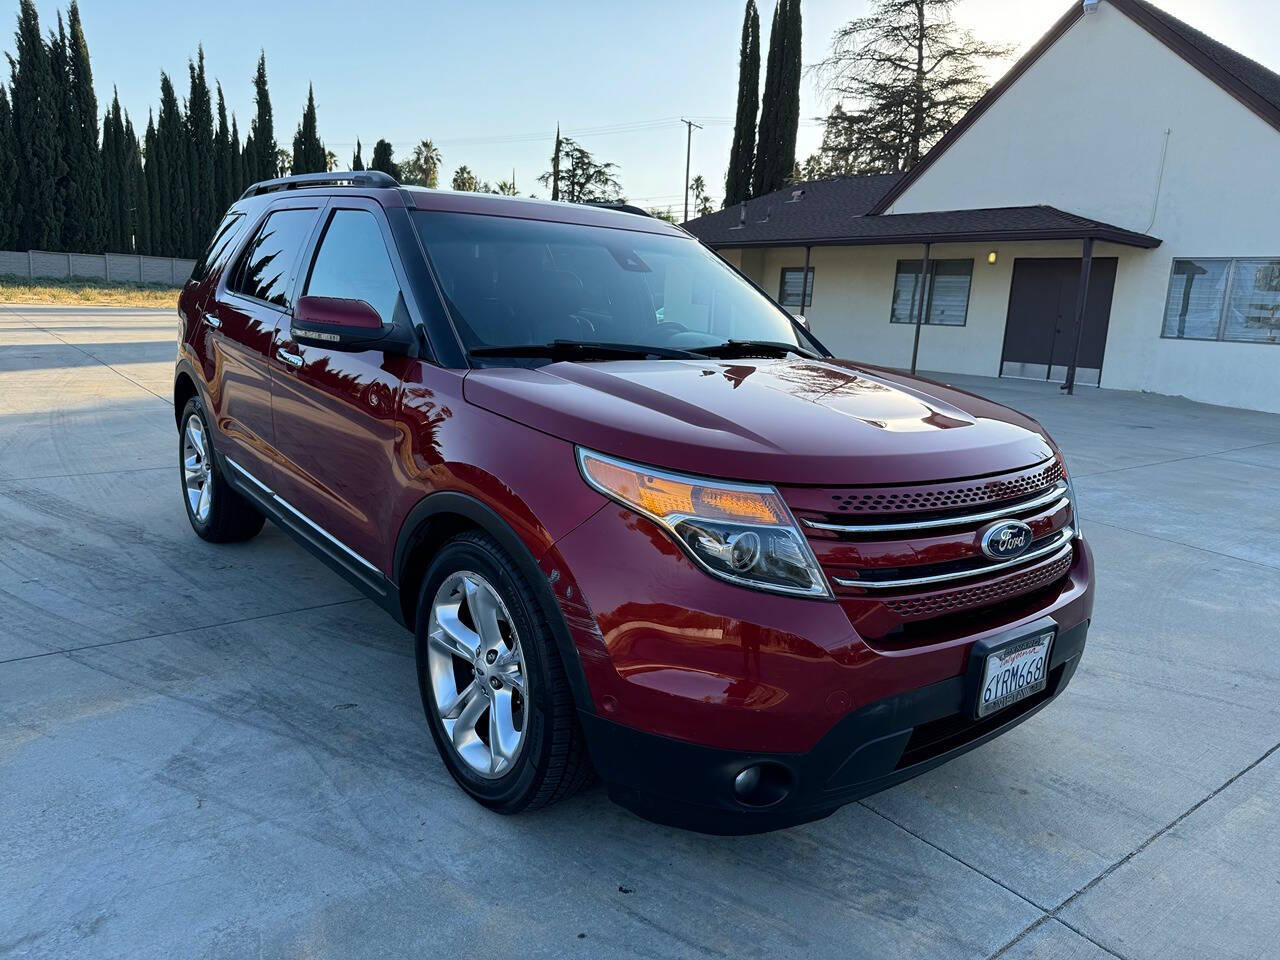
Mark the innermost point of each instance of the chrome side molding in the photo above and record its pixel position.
(302, 517)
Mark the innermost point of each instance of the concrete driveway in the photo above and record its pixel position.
(219, 751)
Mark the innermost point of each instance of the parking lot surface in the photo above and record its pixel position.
(219, 751)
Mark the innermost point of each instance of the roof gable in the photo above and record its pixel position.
(1248, 81)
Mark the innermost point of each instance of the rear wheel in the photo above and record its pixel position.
(217, 513)
(493, 687)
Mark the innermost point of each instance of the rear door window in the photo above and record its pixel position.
(266, 269)
(352, 263)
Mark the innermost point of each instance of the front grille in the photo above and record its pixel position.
(928, 605)
(950, 496)
(913, 554)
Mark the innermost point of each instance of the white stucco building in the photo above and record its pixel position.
(1126, 142)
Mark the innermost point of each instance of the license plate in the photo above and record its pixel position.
(1014, 673)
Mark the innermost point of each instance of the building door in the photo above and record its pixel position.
(1040, 332)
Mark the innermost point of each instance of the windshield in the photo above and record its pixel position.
(515, 283)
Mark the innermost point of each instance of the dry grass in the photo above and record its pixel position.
(86, 293)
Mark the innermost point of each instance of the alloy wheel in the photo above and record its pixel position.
(197, 472)
(477, 674)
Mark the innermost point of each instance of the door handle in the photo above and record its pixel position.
(213, 321)
(292, 359)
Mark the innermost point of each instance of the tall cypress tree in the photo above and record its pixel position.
(203, 216)
(8, 174)
(357, 162)
(308, 151)
(157, 221)
(33, 101)
(780, 111)
(238, 182)
(116, 220)
(84, 227)
(222, 172)
(59, 68)
(171, 140)
(138, 226)
(737, 181)
(263, 158)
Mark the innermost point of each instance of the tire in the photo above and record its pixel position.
(217, 513)
(515, 676)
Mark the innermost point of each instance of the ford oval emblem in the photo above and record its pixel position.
(1005, 539)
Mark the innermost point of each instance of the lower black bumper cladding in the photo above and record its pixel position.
(685, 785)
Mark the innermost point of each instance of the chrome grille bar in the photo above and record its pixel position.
(1058, 493)
(1058, 545)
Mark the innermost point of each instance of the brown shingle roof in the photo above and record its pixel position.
(810, 222)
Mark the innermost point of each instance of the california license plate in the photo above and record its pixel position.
(1015, 672)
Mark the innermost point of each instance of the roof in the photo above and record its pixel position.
(1248, 81)
(941, 226)
(824, 209)
(616, 216)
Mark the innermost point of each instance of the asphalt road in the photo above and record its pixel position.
(219, 751)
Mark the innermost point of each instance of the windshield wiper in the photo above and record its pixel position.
(581, 350)
(733, 349)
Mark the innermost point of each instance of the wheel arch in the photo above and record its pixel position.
(184, 388)
(439, 517)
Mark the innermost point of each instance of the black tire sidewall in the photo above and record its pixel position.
(479, 554)
(194, 408)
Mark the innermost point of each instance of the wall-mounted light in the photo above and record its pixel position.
(991, 258)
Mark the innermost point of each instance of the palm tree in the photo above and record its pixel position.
(423, 168)
(701, 202)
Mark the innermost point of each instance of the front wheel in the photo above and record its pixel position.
(217, 513)
(493, 687)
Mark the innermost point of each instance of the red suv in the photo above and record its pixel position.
(640, 521)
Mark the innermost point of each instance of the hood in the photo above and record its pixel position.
(792, 421)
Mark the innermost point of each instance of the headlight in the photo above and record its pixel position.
(1071, 493)
(741, 533)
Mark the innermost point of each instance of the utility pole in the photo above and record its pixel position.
(688, 153)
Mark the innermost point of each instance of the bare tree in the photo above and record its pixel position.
(907, 73)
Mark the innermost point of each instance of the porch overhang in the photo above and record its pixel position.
(988, 225)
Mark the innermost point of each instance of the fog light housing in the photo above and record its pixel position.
(762, 784)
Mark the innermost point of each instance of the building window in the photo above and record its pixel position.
(946, 294)
(1220, 299)
(792, 283)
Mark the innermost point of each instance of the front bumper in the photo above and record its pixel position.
(688, 680)
(687, 785)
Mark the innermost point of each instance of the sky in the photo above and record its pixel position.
(489, 81)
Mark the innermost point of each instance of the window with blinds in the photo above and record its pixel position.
(791, 286)
(945, 292)
(1221, 299)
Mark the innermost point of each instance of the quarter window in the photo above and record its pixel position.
(945, 292)
(793, 287)
(220, 249)
(267, 265)
(1224, 300)
(353, 264)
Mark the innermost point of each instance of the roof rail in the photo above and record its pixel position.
(620, 207)
(358, 178)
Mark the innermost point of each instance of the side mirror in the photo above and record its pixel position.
(801, 319)
(342, 324)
